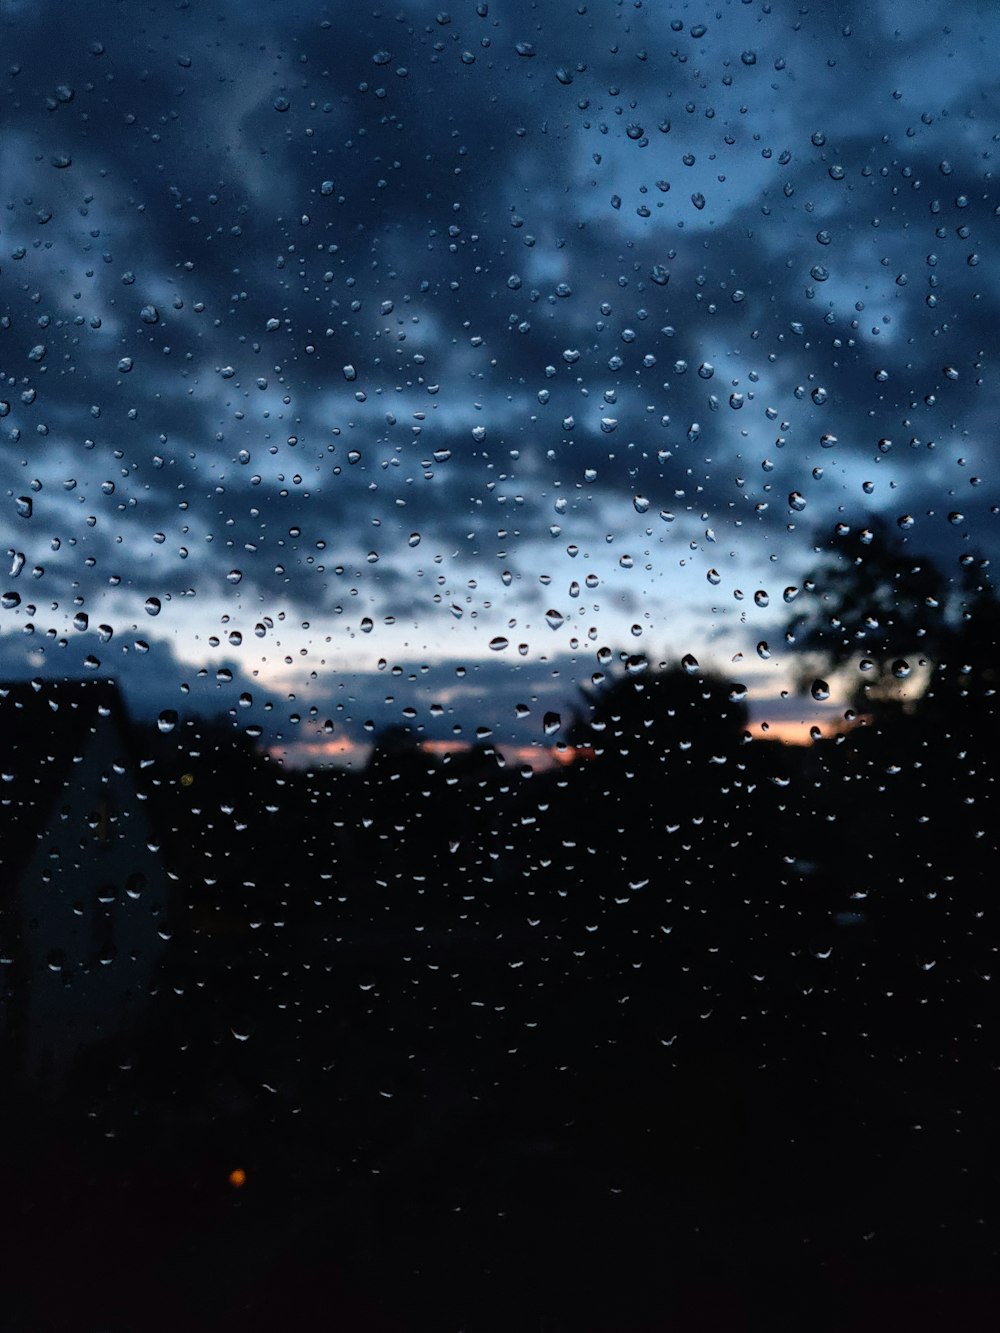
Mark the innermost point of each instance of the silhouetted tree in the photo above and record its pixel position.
(965, 682)
(919, 640)
(651, 712)
(875, 606)
(650, 719)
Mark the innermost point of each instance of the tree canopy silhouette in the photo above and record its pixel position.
(650, 718)
(913, 634)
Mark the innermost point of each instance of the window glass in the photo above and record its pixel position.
(498, 652)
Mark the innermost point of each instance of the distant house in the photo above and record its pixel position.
(82, 886)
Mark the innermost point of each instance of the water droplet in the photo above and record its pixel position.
(820, 690)
(551, 723)
(714, 577)
(24, 506)
(350, 373)
(234, 576)
(167, 720)
(900, 668)
(640, 504)
(690, 664)
(796, 501)
(152, 606)
(149, 314)
(553, 619)
(763, 651)
(499, 643)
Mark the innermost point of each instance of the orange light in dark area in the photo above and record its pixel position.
(237, 1178)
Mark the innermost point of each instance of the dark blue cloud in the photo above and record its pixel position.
(333, 320)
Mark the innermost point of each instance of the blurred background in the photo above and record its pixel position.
(498, 652)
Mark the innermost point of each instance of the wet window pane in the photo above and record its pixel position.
(498, 665)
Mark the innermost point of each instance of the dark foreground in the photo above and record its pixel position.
(821, 1161)
(632, 1047)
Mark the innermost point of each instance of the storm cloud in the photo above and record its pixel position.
(380, 340)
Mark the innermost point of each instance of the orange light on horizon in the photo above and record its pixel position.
(580, 754)
(237, 1178)
(340, 749)
(445, 747)
(799, 733)
(343, 752)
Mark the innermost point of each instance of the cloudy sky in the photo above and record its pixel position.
(377, 365)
